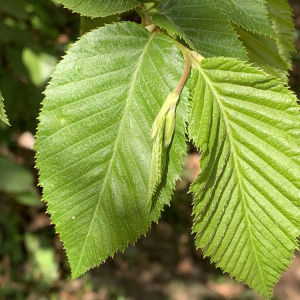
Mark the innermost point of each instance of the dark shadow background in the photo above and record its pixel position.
(164, 265)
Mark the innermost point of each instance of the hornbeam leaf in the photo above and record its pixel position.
(3, 116)
(93, 142)
(99, 8)
(251, 14)
(201, 25)
(272, 55)
(246, 206)
(263, 52)
(281, 17)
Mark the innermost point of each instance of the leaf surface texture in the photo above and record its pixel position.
(272, 54)
(282, 22)
(246, 204)
(201, 25)
(93, 142)
(251, 14)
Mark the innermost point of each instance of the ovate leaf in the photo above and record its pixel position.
(3, 116)
(251, 14)
(93, 141)
(246, 205)
(201, 25)
(99, 8)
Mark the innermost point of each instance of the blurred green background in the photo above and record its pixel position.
(164, 265)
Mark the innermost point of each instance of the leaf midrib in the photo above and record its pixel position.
(139, 63)
(214, 92)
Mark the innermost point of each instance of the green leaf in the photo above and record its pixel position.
(272, 55)
(157, 165)
(283, 25)
(201, 25)
(246, 205)
(93, 142)
(250, 14)
(162, 132)
(99, 8)
(3, 116)
(263, 52)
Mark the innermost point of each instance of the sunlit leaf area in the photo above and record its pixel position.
(157, 257)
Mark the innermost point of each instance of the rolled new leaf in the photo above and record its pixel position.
(157, 164)
(160, 118)
(169, 126)
(163, 129)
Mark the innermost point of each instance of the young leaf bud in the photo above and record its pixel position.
(156, 167)
(160, 118)
(169, 126)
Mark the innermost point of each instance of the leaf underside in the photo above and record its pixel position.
(246, 204)
(93, 142)
(99, 8)
(201, 25)
(3, 116)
